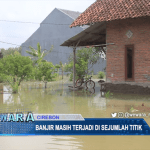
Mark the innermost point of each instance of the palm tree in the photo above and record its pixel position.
(37, 54)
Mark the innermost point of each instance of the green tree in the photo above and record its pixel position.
(45, 71)
(85, 59)
(10, 51)
(38, 55)
(16, 68)
(57, 67)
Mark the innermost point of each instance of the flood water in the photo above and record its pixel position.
(58, 99)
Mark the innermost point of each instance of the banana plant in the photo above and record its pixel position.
(38, 55)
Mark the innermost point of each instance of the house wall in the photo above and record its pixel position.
(51, 34)
(116, 33)
(55, 35)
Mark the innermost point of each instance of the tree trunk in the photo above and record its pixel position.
(20, 81)
(62, 73)
(45, 85)
(58, 72)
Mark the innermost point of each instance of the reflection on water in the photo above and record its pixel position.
(98, 102)
(57, 98)
(40, 143)
(64, 143)
(7, 97)
(75, 143)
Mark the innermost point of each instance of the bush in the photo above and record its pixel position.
(2, 78)
(101, 75)
(14, 85)
(46, 72)
(84, 57)
(14, 69)
(14, 88)
(108, 94)
(71, 77)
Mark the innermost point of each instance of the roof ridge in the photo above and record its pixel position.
(68, 10)
(74, 14)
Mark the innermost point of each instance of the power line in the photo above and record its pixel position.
(31, 22)
(9, 43)
(12, 37)
(28, 47)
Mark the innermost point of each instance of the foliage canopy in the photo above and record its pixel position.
(85, 59)
(10, 51)
(45, 72)
(17, 67)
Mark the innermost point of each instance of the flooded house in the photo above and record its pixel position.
(54, 30)
(123, 27)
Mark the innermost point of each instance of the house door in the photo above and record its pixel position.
(129, 63)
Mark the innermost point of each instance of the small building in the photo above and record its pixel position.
(124, 28)
(54, 30)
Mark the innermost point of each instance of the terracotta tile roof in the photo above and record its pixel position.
(107, 10)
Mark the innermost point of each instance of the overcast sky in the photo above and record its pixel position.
(30, 11)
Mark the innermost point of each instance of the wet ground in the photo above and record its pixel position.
(58, 99)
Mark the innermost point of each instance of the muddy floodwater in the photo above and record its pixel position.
(58, 99)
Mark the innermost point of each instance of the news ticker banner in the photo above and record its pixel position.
(69, 124)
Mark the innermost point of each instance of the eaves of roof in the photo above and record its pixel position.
(108, 10)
